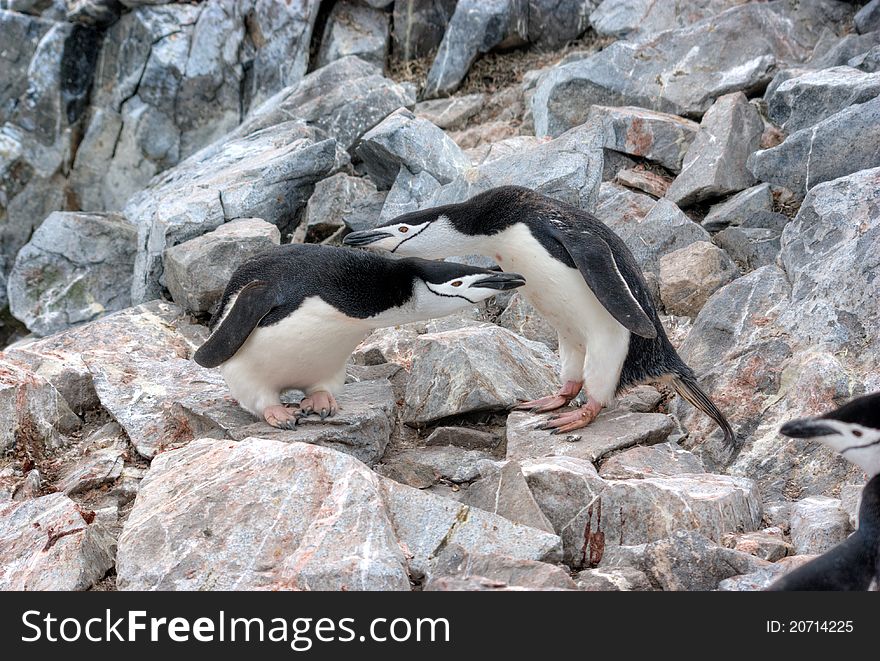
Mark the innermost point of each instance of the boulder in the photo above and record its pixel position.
(833, 51)
(642, 179)
(690, 275)
(456, 563)
(869, 61)
(618, 579)
(419, 26)
(818, 523)
(410, 192)
(504, 491)
(197, 271)
(354, 29)
(648, 461)
(620, 18)
(867, 19)
(341, 201)
(736, 209)
(767, 544)
(463, 437)
(452, 113)
(554, 23)
(715, 164)
(446, 462)
(750, 247)
(75, 268)
(763, 578)
(619, 206)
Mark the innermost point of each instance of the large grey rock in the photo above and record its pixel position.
(476, 27)
(419, 26)
(867, 19)
(715, 163)
(354, 29)
(738, 50)
(339, 201)
(805, 100)
(657, 136)
(403, 140)
(474, 369)
(75, 268)
(818, 523)
(197, 271)
(832, 51)
(451, 113)
(824, 151)
(689, 561)
(646, 461)
(504, 491)
(618, 205)
(738, 208)
(456, 562)
(446, 462)
(869, 61)
(620, 18)
(269, 174)
(690, 275)
(750, 247)
(51, 543)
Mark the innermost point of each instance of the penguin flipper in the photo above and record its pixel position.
(253, 302)
(595, 261)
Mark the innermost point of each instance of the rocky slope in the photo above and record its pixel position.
(148, 148)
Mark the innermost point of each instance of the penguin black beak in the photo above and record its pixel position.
(365, 237)
(501, 281)
(807, 428)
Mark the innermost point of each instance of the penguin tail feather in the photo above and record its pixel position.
(688, 389)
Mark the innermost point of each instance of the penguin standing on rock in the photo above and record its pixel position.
(291, 317)
(853, 430)
(580, 276)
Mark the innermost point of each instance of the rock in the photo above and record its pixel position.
(447, 462)
(764, 544)
(715, 163)
(552, 23)
(452, 113)
(476, 27)
(455, 562)
(818, 523)
(657, 136)
(690, 275)
(269, 174)
(51, 543)
(619, 206)
(867, 19)
(738, 208)
(410, 192)
(869, 61)
(462, 437)
(805, 100)
(75, 268)
(690, 561)
(93, 13)
(99, 462)
(750, 247)
(197, 271)
(824, 151)
(612, 430)
(763, 578)
(521, 318)
(505, 492)
(486, 153)
(484, 134)
(646, 181)
(835, 52)
(474, 369)
(37, 417)
(657, 72)
(340, 201)
(850, 501)
(619, 18)
(404, 141)
(567, 491)
(419, 26)
(662, 459)
(622, 579)
(354, 29)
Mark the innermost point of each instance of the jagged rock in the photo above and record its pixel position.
(621, 579)
(715, 163)
(690, 561)
(51, 543)
(36, 416)
(410, 192)
(486, 153)
(763, 578)
(869, 61)
(817, 524)
(75, 268)
(520, 317)
(619, 18)
(354, 29)
(553, 23)
(403, 140)
(835, 52)
(393, 344)
(867, 19)
(739, 50)
(455, 562)
(197, 271)
(476, 27)
(452, 113)
(652, 183)
(99, 461)
(767, 544)
(657, 136)
(824, 151)
(805, 100)
(738, 208)
(474, 369)
(504, 491)
(340, 201)
(612, 430)
(690, 275)
(618, 206)
(419, 26)
(660, 459)
(463, 437)
(445, 461)
(750, 247)
(269, 174)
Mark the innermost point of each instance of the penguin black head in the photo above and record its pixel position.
(853, 430)
(448, 229)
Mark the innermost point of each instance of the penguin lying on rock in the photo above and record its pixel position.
(853, 430)
(580, 276)
(290, 318)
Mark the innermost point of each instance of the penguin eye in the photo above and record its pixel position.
(457, 283)
(403, 230)
(857, 433)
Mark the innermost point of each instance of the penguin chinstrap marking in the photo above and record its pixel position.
(579, 275)
(290, 318)
(851, 565)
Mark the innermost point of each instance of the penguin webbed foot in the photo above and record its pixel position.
(570, 421)
(551, 402)
(321, 402)
(281, 416)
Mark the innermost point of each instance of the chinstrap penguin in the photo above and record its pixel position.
(580, 276)
(290, 318)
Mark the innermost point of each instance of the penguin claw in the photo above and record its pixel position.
(324, 414)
